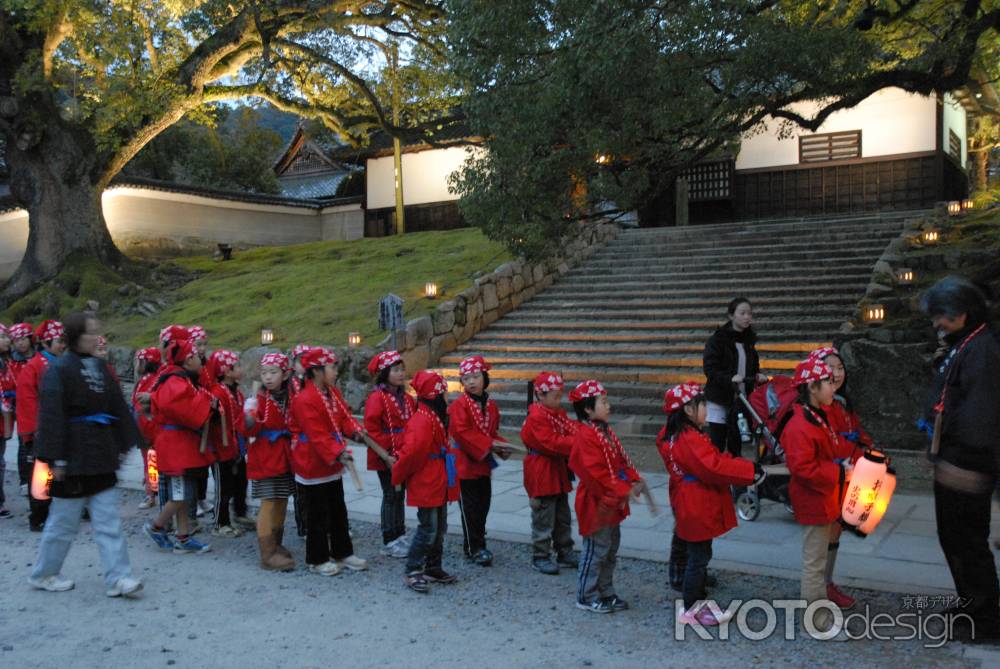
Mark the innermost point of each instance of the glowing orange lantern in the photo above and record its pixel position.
(875, 314)
(868, 492)
(954, 208)
(931, 236)
(904, 277)
(353, 339)
(968, 203)
(152, 473)
(430, 289)
(41, 480)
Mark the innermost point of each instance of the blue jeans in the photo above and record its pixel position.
(698, 555)
(63, 524)
(427, 547)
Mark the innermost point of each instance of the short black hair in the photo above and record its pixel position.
(953, 296)
(75, 326)
(382, 378)
(151, 366)
(735, 303)
(581, 406)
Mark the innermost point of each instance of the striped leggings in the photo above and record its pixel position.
(597, 565)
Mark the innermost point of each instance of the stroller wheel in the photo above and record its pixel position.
(748, 505)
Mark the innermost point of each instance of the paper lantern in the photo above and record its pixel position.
(874, 314)
(354, 339)
(930, 236)
(954, 208)
(968, 203)
(266, 337)
(152, 473)
(430, 289)
(41, 480)
(868, 492)
(602, 159)
(904, 277)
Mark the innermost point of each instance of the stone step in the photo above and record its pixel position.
(536, 331)
(700, 237)
(779, 292)
(530, 312)
(651, 254)
(777, 341)
(532, 345)
(714, 277)
(623, 245)
(670, 301)
(782, 227)
(556, 360)
(576, 374)
(787, 268)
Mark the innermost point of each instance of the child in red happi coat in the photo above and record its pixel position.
(147, 370)
(228, 441)
(700, 476)
(268, 458)
(319, 453)
(7, 393)
(607, 480)
(426, 467)
(473, 422)
(181, 409)
(548, 433)
(387, 411)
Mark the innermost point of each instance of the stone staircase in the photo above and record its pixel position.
(637, 313)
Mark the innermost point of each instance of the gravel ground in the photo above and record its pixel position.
(220, 610)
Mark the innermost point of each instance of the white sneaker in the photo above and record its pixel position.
(405, 541)
(147, 503)
(125, 587)
(24, 490)
(354, 563)
(204, 508)
(325, 569)
(396, 549)
(52, 583)
(227, 532)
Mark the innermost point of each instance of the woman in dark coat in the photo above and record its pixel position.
(730, 363)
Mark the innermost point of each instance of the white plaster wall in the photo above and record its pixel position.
(13, 240)
(891, 121)
(343, 222)
(954, 119)
(425, 177)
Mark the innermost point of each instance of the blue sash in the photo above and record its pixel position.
(688, 477)
(854, 436)
(449, 464)
(622, 475)
(97, 418)
(9, 394)
(180, 427)
(395, 430)
(303, 439)
(274, 435)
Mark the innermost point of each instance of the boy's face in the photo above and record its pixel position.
(473, 383)
(192, 364)
(697, 413)
(397, 375)
(836, 365)
(22, 345)
(551, 399)
(822, 392)
(271, 377)
(601, 410)
(4, 343)
(55, 346)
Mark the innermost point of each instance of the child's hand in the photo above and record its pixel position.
(250, 405)
(390, 460)
(345, 457)
(636, 491)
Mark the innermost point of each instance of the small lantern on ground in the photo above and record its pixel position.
(430, 290)
(152, 473)
(930, 236)
(354, 339)
(968, 203)
(868, 492)
(41, 480)
(954, 208)
(904, 277)
(266, 337)
(874, 314)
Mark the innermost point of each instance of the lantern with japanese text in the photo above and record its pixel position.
(868, 492)
(41, 480)
(152, 473)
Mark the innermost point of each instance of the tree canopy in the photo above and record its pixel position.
(586, 102)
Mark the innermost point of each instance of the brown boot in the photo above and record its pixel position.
(278, 523)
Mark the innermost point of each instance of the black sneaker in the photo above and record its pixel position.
(36, 528)
(545, 566)
(596, 606)
(568, 559)
(4, 513)
(483, 558)
(416, 582)
(439, 575)
(616, 603)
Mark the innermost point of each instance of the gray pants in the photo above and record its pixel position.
(551, 525)
(61, 528)
(597, 565)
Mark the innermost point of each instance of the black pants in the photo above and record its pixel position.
(24, 461)
(698, 555)
(726, 437)
(963, 526)
(427, 547)
(475, 506)
(231, 482)
(300, 513)
(678, 561)
(327, 535)
(393, 509)
(200, 476)
(38, 509)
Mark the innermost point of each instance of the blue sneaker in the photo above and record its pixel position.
(190, 545)
(159, 537)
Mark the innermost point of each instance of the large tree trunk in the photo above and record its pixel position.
(54, 175)
(981, 160)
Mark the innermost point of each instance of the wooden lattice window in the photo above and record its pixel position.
(830, 146)
(954, 145)
(709, 181)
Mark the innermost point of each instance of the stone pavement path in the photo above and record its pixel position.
(901, 556)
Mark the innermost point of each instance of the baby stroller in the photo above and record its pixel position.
(770, 408)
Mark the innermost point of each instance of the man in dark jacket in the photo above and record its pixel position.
(85, 427)
(965, 447)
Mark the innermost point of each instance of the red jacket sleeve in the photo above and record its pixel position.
(802, 457)
(179, 403)
(27, 397)
(315, 424)
(538, 435)
(697, 456)
(346, 423)
(587, 462)
(463, 429)
(375, 421)
(417, 443)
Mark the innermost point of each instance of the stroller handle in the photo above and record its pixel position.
(778, 450)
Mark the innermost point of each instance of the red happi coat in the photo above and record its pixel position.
(852, 440)
(549, 435)
(317, 428)
(385, 421)
(146, 422)
(8, 386)
(817, 482)
(673, 473)
(422, 464)
(29, 382)
(180, 409)
(703, 503)
(474, 433)
(17, 366)
(270, 454)
(231, 407)
(606, 476)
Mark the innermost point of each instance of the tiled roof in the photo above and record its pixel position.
(312, 186)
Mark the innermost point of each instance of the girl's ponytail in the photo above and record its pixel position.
(531, 395)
